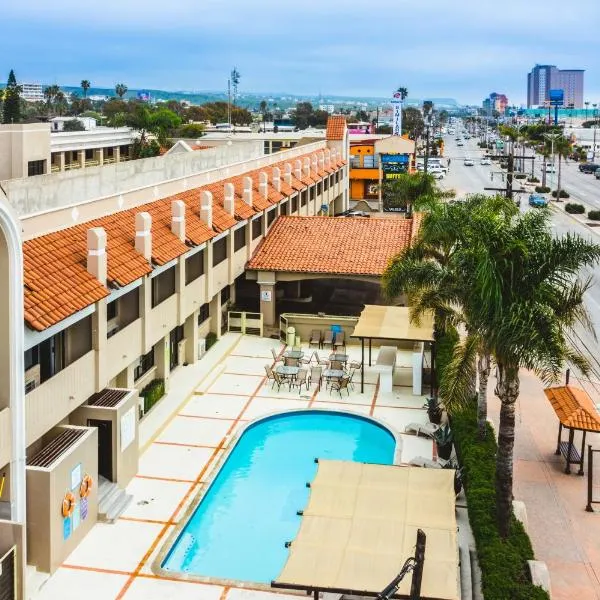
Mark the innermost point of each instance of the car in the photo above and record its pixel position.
(549, 168)
(485, 161)
(354, 213)
(589, 167)
(537, 201)
(438, 174)
(460, 143)
(469, 162)
(597, 174)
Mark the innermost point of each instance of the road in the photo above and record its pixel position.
(469, 180)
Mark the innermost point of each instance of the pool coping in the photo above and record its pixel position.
(204, 486)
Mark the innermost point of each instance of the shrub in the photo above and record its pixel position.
(444, 343)
(594, 215)
(192, 130)
(504, 572)
(575, 209)
(152, 393)
(533, 180)
(211, 339)
(563, 194)
(542, 189)
(520, 176)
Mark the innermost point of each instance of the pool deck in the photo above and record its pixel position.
(182, 440)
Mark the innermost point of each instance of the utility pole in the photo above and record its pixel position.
(552, 137)
(595, 125)
(229, 103)
(426, 161)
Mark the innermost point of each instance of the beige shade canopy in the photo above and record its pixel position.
(393, 323)
(361, 524)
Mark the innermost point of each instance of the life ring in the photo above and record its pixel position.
(86, 486)
(68, 505)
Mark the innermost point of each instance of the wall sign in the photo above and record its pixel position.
(127, 428)
(76, 477)
(66, 528)
(265, 295)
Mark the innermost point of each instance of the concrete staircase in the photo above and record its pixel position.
(112, 501)
(34, 581)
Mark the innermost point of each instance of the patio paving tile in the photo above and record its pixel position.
(255, 346)
(119, 546)
(242, 594)
(195, 430)
(263, 406)
(248, 366)
(355, 408)
(174, 462)
(215, 405)
(144, 588)
(154, 500)
(67, 584)
(400, 417)
(235, 384)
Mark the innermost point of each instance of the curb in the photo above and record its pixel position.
(555, 209)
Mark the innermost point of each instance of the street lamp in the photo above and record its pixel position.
(552, 137)
(595, 118)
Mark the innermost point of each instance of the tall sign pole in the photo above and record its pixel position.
(397, 106)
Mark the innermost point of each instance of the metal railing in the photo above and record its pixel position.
(248, 323)
(590, 480)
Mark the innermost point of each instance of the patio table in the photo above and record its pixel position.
(339, 357)
(293, 354)
(287, 371)
(330, 374)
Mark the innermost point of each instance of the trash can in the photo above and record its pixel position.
(290, 336)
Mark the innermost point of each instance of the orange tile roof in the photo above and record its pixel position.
(574, 408)
(56, 280)
(336, 128)
(357, 246)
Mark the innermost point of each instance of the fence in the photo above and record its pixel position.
(245, 322)
(590, 490)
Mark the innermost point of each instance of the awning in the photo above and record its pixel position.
(361, 524)
(574, 408)
(393, 323)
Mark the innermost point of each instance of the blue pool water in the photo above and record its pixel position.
(241, 525)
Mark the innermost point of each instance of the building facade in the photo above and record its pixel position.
(495, 103)
(32, 92)
(544, 78)
(126, 270)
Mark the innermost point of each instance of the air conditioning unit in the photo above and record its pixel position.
(201, 347)
(32, 378)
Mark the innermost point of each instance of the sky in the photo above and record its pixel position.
(463, 49)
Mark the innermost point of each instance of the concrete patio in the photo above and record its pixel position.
(182, 440)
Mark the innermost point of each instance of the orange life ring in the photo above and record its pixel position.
(68, 505)
(86, 486)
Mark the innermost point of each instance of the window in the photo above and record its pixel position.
(304, 198)
(163, 286)
(89, 154)
(257, 227)
(109, 152)
(79, 338)
(313, 192)
(204, 313)
(74, 156)
(239, 238)
(36, 167)
(145, 364)
(284, 207)
(325, 184)
(271, 217)
(194, 267)
(32, 357)
(319, 188)
(112, 310)
(219, 251)
(225, 295)
(331, 180)
(295, 204)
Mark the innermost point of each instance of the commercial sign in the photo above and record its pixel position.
(397, 119)
(393, 165)
(556, 97)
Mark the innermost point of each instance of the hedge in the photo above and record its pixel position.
(574, 208)
(504, 571)
(542, 189)
(211, 339)
(594, 215)
(533, 180)
(152, 393)
(563, 194)
(520, 175)
(444, 345)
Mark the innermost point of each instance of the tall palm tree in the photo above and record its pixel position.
(403, 93)
(85, 86)
(527, 296)
(51, 93)
(562, 148)
(121, 90)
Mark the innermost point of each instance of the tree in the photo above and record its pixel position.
(121, 90)
(85, 86)
(303, 114)
(113, 107)
(74, 125)
(427, 108)
(146, 121)
(526, 297)
(235, 82)
(60, 103)
(562, 147)
(191, 130)
(403, 93)
(51, 94)
(11, 110)
(412, 122)
(362, 116)
(410, 189)
(197, 113)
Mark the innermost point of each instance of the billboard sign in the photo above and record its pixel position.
(393, 165)
(397, 116)
(143, 96)
(556, 97)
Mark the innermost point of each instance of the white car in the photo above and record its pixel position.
(460, 143)
(485, 161)
(469, 162)
(438, 174)
(549, 168)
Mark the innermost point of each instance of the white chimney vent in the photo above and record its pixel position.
(206, 206)
(97, 264)
(248, 190)
(229, 199)
(178, 219)
(143, 234)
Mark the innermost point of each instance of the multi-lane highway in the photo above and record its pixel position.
(586, 188)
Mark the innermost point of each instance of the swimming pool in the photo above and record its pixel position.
(239, 529)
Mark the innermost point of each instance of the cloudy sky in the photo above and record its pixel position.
(462, 48)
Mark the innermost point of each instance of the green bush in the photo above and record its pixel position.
(574, 208)
(211, 339)
(152, 393)
(533, 180)
(594, 215)
(191, 130)
(444, 344)
(520, 176)
(563, 194)
(504, 571)
(542, 189)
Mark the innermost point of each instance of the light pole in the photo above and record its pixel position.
(552, 137)
(595, 117)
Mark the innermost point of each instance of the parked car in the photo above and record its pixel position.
(589, 167)
(538, 201)
(354, 213)
(597, 174)
(469, 162)
(485, 161)
(549, 168)
(438, 174)
(460, 143)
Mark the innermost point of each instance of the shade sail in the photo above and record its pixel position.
(360, 525)
(574, 408)
(393, 323)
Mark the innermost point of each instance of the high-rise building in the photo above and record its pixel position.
(32, 92)
(544, 78)
(495, 103)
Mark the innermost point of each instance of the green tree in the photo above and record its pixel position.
(121, 90)
(362, 116)
(74, 125)
(85, 86)
(526, 297)
(407, 190)
(146, 121)
(11, 109)
(412, 122)
(303, 114)
(403, 93)
(562, 148)
(191, 130)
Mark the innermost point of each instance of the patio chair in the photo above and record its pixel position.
(327, 339)
(276, 358)
(426, 429)
(354, 364)
(339, 341)
(278, 379)
(316, 375)
(300, 380)
(336, 365)
(323, 362)
(269, 372)
(339, 385)
(315, 338)
(350, 376)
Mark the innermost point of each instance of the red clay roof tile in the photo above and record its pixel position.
(574, 408)
(336, 127)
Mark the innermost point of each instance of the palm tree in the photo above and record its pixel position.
(562, 147)
(51, 93)
(403, 93)
(526, 297)
(85, 86)
(121, 90)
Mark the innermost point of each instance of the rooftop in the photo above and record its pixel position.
(574, 408)
(357, 246)
(336, 127)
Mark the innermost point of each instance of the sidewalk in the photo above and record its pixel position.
(563, 534)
